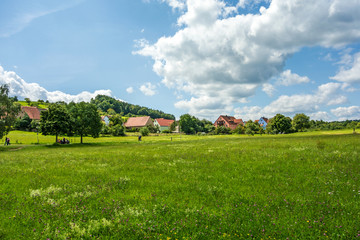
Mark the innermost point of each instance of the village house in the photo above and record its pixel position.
(263, 121)
(138, 122)
(163, 124)
(32, 112)
(228, 121)
(106, 120)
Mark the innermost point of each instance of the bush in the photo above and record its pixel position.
(222, 130)
(166, 131)
(144, 131)
(117, 130)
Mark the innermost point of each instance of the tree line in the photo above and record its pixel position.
(112, 106)
(278, 124)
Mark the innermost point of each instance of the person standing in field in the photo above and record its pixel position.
(8, 141)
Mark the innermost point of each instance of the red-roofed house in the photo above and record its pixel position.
(163, 124)
(32, 112)
(228, 121)
(138, 122)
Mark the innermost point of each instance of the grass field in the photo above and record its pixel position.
(300, 186)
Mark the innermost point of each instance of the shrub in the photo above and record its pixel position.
(144, 131)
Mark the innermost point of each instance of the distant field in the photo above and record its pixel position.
(300, 186)
(40, 105)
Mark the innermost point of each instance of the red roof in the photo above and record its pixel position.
(32, 112)
(164, 122)
(228, 121)
(134, 122)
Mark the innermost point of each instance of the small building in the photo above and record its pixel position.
(228, 121)
(138, 122)
(163, 124)
(263, 121)
(106, 120)
(32, 112)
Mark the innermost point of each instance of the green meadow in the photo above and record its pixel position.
(298, 186)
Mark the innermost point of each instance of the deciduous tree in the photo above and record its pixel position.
(8, 111)
(301, 122)
(55, 120)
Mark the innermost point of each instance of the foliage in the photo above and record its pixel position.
(117, 130)
(144, 131)
(240, 129)
(173, 126)
(190, 124)
(279, 124)
(85, 119)
(55, 121)
(251, 127)
(104, 103)
(23, 123)
(153, 129)
(300, 122)
(116, 125)
(8, 111)
(222, 130)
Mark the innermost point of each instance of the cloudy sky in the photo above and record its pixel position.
(248, 58)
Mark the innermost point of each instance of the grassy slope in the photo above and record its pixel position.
(40, 105)
(297, 186)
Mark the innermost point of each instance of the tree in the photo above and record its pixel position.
(301, 122)
(116, 125)
(144, 131)
(173, 127)
(23, 123)
(240, 129)
(353, 125)
(187, 124)
(85, 120)
(222, 130)
(28, 101)
(55, 120)
(279, 124)
(8, 111)
(251, 127)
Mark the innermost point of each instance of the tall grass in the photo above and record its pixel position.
(295, 186)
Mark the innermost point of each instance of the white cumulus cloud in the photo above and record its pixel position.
(148, 89)
(328, 94)
(345, 113)
(130, 90)
(20, 88)
(349, 74)
(225, 58)
(288, 78)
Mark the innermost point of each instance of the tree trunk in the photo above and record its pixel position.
(56, 140)
(81, 141)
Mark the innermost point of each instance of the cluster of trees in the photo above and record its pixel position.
(8, 111)
(191, 125)
(111, 106)
(81, 119)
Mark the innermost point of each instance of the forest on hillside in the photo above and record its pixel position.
(112, 106)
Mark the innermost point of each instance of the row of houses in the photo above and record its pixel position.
(163, 124)
(231, 122)
(140, 122)
(132, 122)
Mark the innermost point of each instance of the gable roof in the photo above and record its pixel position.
(32, 112)
(137, 122)
(164, 122)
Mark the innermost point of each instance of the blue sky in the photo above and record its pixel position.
(210, 57)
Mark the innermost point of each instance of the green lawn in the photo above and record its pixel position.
(299, 186)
